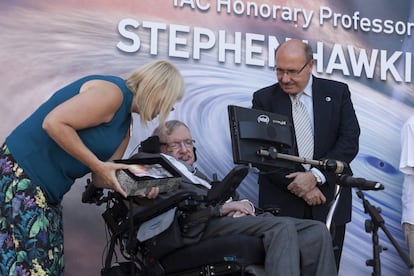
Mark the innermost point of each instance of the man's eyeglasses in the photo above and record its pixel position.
(187, 143)
(291, 73)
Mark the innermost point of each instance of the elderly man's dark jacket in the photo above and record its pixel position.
(336, 136)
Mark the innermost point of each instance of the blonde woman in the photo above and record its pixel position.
(78, 130)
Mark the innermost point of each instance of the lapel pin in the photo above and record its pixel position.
(328, 99)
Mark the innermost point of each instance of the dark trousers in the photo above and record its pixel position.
(338, 237)
(293, 246)
(338, 242)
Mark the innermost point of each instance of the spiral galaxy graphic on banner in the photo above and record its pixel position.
(47, 45)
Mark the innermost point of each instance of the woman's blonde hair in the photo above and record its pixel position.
(157, 86)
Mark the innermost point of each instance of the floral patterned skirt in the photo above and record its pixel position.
(31, 231)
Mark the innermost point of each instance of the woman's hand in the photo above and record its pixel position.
(104, 176)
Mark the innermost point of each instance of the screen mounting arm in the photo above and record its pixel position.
(328, 165)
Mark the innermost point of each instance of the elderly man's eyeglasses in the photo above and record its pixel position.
(187, 143)
(291, 73)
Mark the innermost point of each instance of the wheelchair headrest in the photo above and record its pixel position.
(150, 145)
(220, 192)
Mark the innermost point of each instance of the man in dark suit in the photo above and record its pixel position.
(308, 192)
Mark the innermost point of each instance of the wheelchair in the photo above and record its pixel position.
(165, 254)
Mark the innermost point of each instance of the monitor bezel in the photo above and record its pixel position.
(252, 130)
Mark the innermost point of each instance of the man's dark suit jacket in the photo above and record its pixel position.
(336, 136)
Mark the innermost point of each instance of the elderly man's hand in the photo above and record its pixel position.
(302, 183)
(238, 208)
(314, 197)
(153, 193)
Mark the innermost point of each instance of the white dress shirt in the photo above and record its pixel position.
(407, 167)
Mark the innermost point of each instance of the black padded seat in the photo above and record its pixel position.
(240, 250)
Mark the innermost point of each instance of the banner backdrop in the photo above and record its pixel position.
(225, 50)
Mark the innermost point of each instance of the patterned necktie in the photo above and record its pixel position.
(303, 129)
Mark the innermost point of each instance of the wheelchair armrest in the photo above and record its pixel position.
(220, 192)
(93, 194)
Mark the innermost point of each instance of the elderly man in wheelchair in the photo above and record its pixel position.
(197, 227)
